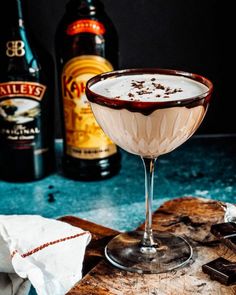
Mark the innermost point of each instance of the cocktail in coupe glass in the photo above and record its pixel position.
(149, 112)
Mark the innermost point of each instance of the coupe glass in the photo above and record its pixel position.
(148, 129)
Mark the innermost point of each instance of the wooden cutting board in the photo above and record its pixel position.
(190, 217)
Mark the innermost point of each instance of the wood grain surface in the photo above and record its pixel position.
(189, 217)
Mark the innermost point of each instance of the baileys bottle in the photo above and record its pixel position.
(26, 100)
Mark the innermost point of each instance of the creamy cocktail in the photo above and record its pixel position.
(149, 112)
(152, 132)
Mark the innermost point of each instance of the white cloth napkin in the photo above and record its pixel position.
(45, 252)
(230, 212)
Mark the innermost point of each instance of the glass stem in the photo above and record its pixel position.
(147, 243)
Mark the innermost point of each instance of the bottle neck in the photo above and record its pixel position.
(16, 49)
(14, 12)
(84, 7)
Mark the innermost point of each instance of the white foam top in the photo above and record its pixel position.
(149, 87)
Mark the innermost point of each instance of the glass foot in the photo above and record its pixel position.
(170, 252)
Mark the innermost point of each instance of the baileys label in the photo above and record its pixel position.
(20, 112)
(22, 89)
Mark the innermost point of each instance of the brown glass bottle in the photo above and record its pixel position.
(26, 101)
(86, 45)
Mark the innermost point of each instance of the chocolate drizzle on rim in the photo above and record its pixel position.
(147, 107)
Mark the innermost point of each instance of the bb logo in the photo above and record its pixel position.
(15, 48)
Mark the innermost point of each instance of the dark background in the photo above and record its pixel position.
(192, 35)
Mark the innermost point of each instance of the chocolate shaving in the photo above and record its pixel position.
(172, 91)
(144, 92)
(137, 84)
(158, 86)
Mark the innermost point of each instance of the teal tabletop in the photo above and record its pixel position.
(204, 166)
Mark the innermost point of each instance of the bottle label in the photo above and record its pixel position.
(84, 138)
(20, 113)
(85, 26)
(22, 89)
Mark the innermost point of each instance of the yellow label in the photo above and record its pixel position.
(84, 138)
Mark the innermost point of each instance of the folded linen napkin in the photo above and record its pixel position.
(45, 252)
(230, 212)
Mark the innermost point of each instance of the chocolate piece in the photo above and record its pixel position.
(142, 92)
(158, 86)
(223, 229)
(221, 270)
(137, 84)
(226, 233)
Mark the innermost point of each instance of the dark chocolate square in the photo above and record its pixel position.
(221, 230)
(221, 270)
(225, 233)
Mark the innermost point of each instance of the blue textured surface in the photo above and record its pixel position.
(202, 167)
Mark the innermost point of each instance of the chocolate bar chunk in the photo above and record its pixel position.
(224, 229)
(226, 232)
(221, 270)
